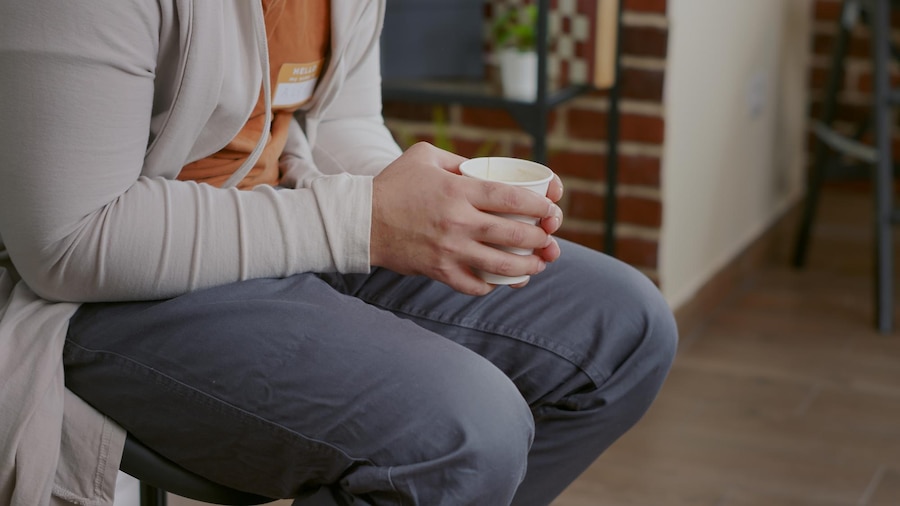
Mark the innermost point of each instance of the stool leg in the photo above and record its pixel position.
(152, 496)
(817, 171)
(883, 180)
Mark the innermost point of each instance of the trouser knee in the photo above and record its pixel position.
(654, 343)
(484, 430)
(632, 351)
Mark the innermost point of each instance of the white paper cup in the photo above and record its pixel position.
(515, 172)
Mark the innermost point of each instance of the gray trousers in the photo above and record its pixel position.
(380, 388)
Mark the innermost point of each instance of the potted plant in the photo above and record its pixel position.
(515, 39)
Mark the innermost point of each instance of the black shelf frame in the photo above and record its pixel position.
(532, 117)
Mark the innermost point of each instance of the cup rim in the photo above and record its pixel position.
(532, 163)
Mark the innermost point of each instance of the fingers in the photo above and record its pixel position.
(427, 221)
(506, 199)
(555, 190)
(495, 261)
(465, 281)
(549, 253)
(508, 232)
(498, 197)
(552, 223)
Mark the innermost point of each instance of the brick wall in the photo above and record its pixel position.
(576, 141)
(854, 97)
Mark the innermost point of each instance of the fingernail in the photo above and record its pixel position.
(553, 222)
(542, 266)
(554, 211)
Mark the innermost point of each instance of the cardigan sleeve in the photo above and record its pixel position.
(80, 221)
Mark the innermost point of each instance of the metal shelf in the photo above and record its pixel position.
(472, 93)
(531, 116)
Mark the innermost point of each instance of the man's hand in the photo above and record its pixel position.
(428, 220)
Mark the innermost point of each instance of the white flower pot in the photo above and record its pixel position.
(518, 74)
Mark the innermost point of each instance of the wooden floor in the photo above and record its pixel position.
(786, 396)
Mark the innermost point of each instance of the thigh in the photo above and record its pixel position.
(569, 329)
(279, 385)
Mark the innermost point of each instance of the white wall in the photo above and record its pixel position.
(736, 89)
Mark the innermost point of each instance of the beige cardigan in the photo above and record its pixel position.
(101, 104)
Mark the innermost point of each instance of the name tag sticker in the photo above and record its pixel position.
(296, 83)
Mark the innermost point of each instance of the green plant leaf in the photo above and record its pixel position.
(516, 28)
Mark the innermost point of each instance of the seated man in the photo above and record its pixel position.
(262, 288)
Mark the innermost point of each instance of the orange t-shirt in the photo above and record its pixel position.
(299, 37)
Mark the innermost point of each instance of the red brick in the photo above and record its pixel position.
(522, 151)
(634, 251)
(864, 82)
(488, 118)
(830, 10)
(639, 211)
(581, 51)
(636, 170)
(593, 240)
(411, 111)
(470, 149)
(598, 93)
(464, 147)
(646, 6)
(639, 128)
(637, 252)
(639, 170)
(642, 84)
(827, 9)
(633, 210)
(860, 46)
(896, 147)
(639, 84)
(590, 166)
(587, 124)
(818, 79)
(496, 118)
(851, 113)
(645, 41)
(585, 206)
(824, 45)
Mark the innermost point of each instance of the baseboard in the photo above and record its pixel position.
(772, 246)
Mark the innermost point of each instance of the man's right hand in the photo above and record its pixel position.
(428, 220)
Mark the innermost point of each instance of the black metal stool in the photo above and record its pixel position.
(159, 475)
(832, 147)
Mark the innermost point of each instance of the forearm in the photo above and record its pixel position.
(80, 221)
